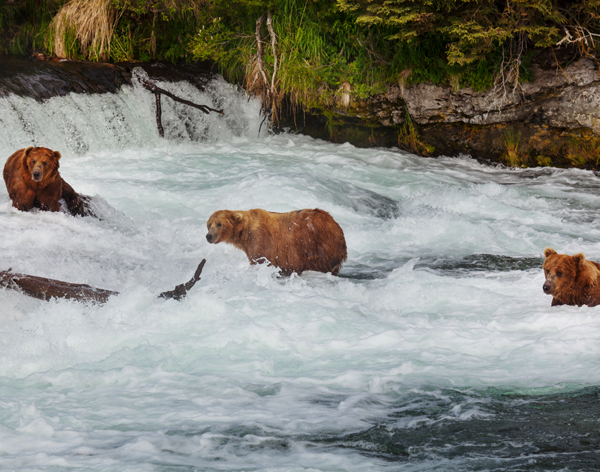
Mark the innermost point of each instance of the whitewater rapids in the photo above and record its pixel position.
(436, 324)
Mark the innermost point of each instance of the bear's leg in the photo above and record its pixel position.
(556, 302)
(23, 200)
(49, 203)
(78, 205)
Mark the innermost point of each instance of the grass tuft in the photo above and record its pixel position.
(90, 23)
(582, 153)
(513, 157)
(410, 140)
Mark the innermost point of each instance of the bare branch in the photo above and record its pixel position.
(259, 54)
(273, 49)
(181, 290)
(582, 36)
(507, 81)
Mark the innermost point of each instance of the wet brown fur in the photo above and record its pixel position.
(571, 280)
(294, 242)
(26, 192)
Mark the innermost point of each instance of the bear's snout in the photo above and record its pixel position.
(209, 237)
(37, 172)
(546, 288)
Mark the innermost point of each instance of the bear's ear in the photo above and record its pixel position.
(579, 260)
(548, 252)
(237, 216)
(57, 155)
(26, 153)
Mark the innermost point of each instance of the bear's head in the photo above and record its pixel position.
(222, 225)
(42, 163)
(568, 277)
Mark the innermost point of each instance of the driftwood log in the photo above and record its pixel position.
(45, 289)
(160, 91)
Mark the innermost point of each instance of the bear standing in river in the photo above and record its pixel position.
(33, 181)
(571, 280)
(293, 242)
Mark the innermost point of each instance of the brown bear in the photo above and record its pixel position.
(293, 242)
(33, 181)
(571, 280)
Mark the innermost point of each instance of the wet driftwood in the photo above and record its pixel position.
(45, 289)
(181, 290)
(160, 91)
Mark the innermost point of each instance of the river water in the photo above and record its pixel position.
(434, 349)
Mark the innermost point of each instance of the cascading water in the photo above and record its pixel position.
(82, 123)
(435, 348)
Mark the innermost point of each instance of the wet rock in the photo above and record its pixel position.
(560, 104)
(562, 98)
(41, 80)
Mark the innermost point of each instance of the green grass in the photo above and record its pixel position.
(513, 156)
(584, 152)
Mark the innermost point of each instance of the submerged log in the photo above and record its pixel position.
(45, 289)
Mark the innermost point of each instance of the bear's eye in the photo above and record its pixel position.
(44, 163)
(218, 225)
(559, 273)
(33, 161)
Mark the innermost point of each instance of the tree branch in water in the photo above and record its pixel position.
(160, 91)
(46, 289)
(181, 290)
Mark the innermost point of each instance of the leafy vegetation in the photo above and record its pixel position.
(100, 30)
(22, 23)
(371, 44)
(316, 45)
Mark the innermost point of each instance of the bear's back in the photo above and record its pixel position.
(308, 239)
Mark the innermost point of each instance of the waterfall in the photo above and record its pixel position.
(79, 123)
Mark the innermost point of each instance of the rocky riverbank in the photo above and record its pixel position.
(553, 120)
